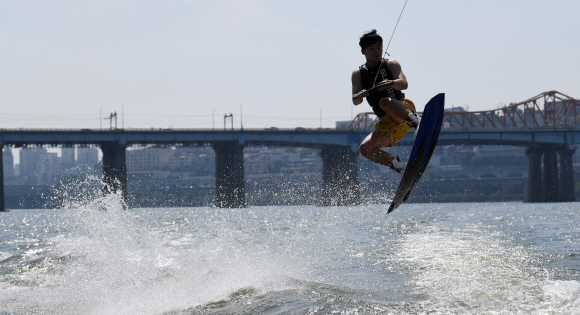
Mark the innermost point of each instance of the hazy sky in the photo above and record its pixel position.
(283, 63)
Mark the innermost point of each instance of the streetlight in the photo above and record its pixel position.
(212, 119)
(321, 118)
(101, 118)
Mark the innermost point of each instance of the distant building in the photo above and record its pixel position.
(37, 166)
(67, 158)
(30, 160)
(49, 168)
(455, 109)
(148, 159)
(198, 160)
(342, 124)
(8, 163)
(284, 160)
(87, 156)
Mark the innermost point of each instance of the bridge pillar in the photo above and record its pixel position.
(229, 175)
(2, 205)
(114, 169)
(535, 191)
(567, 192)
(551, 187)
(340, 185)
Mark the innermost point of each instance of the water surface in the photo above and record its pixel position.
(484, 258)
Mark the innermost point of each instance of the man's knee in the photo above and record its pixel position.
(366, 149)
(385, 101)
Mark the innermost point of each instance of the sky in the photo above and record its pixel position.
(277, 63)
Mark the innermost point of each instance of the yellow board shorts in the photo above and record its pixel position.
(388, 127)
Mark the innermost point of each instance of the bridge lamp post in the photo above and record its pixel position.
(213, 119)
(321, 118)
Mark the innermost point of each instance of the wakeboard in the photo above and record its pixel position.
(423, 148)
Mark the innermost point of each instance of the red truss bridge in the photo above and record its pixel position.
(550, 109)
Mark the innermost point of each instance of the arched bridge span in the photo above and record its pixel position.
(547, 110)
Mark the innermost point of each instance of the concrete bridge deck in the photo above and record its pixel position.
(313, 138)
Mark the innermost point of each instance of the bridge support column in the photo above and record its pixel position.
(114, 169)
(567, 192)
(340, 185)
(229, 175)
(551, 187)
(2, 205)
(535, 191)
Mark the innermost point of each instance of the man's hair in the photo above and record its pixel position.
(370, 38)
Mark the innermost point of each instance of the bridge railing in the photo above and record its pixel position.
(550, 109)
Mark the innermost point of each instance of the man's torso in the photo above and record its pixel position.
(369, 78)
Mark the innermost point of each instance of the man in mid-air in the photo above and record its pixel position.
(396, 114)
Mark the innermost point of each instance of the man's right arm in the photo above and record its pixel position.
(357, 87)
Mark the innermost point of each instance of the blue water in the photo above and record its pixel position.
(478, 258)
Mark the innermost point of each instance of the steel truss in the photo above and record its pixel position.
(550, 109)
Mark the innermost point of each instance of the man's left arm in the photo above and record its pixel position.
(400, 81)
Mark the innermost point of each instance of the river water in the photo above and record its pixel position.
(93, 257)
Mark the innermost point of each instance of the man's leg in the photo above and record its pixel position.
(371, 149)
(398, 111)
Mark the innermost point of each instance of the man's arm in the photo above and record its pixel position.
(400, 81)
(357, 87)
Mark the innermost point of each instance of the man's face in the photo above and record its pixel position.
(373, 52)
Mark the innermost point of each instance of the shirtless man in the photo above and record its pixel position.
(397, 114)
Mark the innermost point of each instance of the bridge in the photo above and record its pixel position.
(546, 131)
(339, 150)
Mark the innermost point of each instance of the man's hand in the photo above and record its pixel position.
(359, 96)
(385, 83)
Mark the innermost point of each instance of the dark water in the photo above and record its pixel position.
(485, 258)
